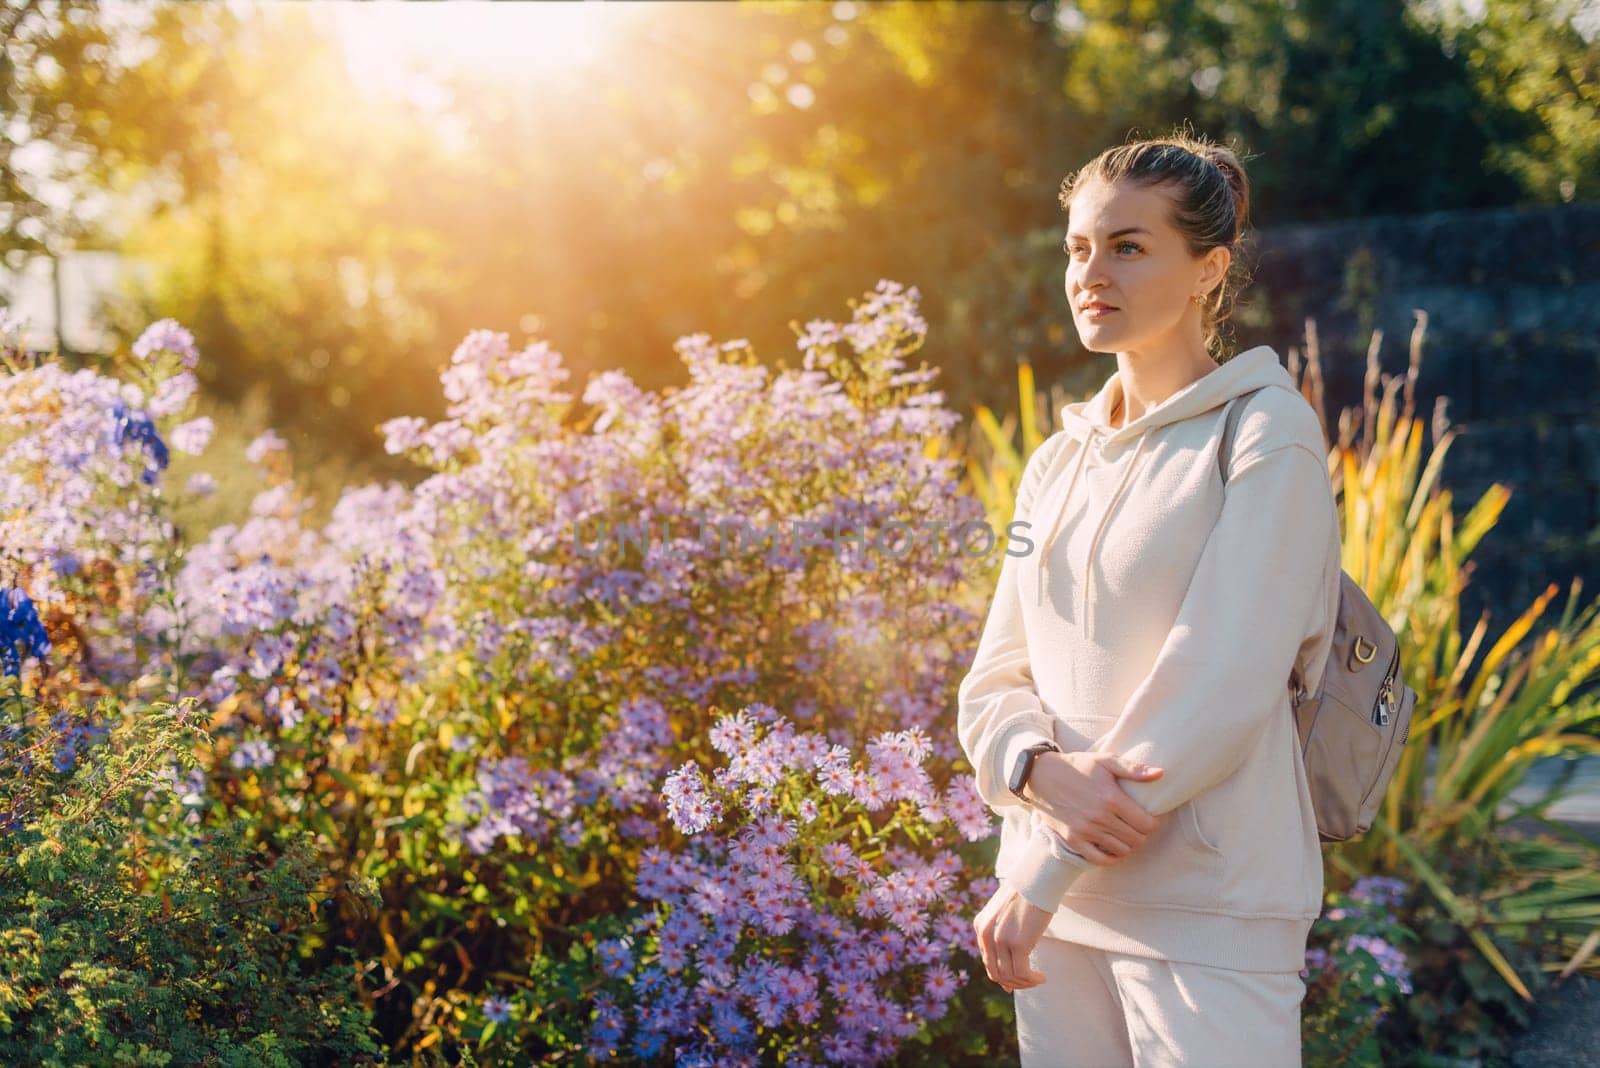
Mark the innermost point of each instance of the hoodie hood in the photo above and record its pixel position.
(1089, 423)
(1246, 371)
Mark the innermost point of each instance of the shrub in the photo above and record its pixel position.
(1356, 973)
(137, 932)
(447, 693)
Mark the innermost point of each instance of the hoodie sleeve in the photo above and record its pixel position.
(999, 712)
(1224, 666)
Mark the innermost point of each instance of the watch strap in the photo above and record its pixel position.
(1023, 769)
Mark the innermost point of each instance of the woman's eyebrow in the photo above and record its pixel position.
(1117, 233)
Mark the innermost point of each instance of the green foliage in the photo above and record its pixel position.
(1463, 1008)
(1543, 67)
(136, 932)
(41, 46)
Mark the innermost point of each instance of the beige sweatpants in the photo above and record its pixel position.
(1099, 1009)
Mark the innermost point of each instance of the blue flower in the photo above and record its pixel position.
(608, 1027)
(137, 427)
(77, 741)
(21, 633)
(647, 1044)
(615, 956)
(497, 1008)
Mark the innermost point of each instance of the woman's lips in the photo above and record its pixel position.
(1096, 313)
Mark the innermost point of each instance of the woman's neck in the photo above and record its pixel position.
(1146, 384)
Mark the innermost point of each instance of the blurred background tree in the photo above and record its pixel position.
(333, 195)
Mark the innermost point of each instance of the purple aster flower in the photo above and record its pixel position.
(1391, 960)
(167, 335)
(266, 442)
(1382, 890)
(402, 434)
(689, 804)
(193, 437)
(173, 395)
(732, 733)
(606, 1032)
(615, 956)
(255, 753)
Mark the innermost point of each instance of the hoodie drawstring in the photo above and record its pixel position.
(1061, 509)
(1094, 541)
(1066, 498)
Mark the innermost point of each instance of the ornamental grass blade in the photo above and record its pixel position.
(1464, 917)
(1581, 957)
(1028, 408)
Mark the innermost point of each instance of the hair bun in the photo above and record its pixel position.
(1233, 171)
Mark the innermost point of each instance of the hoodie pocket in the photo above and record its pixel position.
(1196, 828)
(1177, 866)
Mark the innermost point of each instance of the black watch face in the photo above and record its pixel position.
(1024, 768)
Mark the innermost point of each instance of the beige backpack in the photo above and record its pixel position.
(1353, 728)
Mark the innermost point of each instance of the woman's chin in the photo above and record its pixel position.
(1098, 340)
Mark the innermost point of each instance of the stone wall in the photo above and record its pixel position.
(1513, 341)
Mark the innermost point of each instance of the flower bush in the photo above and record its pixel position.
(1356, 972)
(817, 914)
(455, 695)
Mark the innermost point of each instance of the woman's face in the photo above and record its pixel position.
(1122, 252)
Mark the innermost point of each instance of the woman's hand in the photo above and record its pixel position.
(1077, 795)
(1008, 929)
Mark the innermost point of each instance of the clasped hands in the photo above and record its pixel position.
(1076, 796)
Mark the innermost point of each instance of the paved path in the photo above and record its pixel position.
(1582, 803)
(1565, 1032)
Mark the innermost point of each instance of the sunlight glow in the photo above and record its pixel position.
(496, 41)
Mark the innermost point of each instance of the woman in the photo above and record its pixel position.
(1159, 860)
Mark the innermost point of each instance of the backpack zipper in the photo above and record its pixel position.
(1380, 715)
(1381, 718)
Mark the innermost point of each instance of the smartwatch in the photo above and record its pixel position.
(1024, 765)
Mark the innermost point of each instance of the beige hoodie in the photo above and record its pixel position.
(1143, 616)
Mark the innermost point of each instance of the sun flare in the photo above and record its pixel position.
(496, 41)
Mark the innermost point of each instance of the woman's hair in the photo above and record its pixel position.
(1211, 205)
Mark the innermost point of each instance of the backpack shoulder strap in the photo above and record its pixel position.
(1224, 449)
(1229, 425)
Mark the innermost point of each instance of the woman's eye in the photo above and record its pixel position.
(1073, 250)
